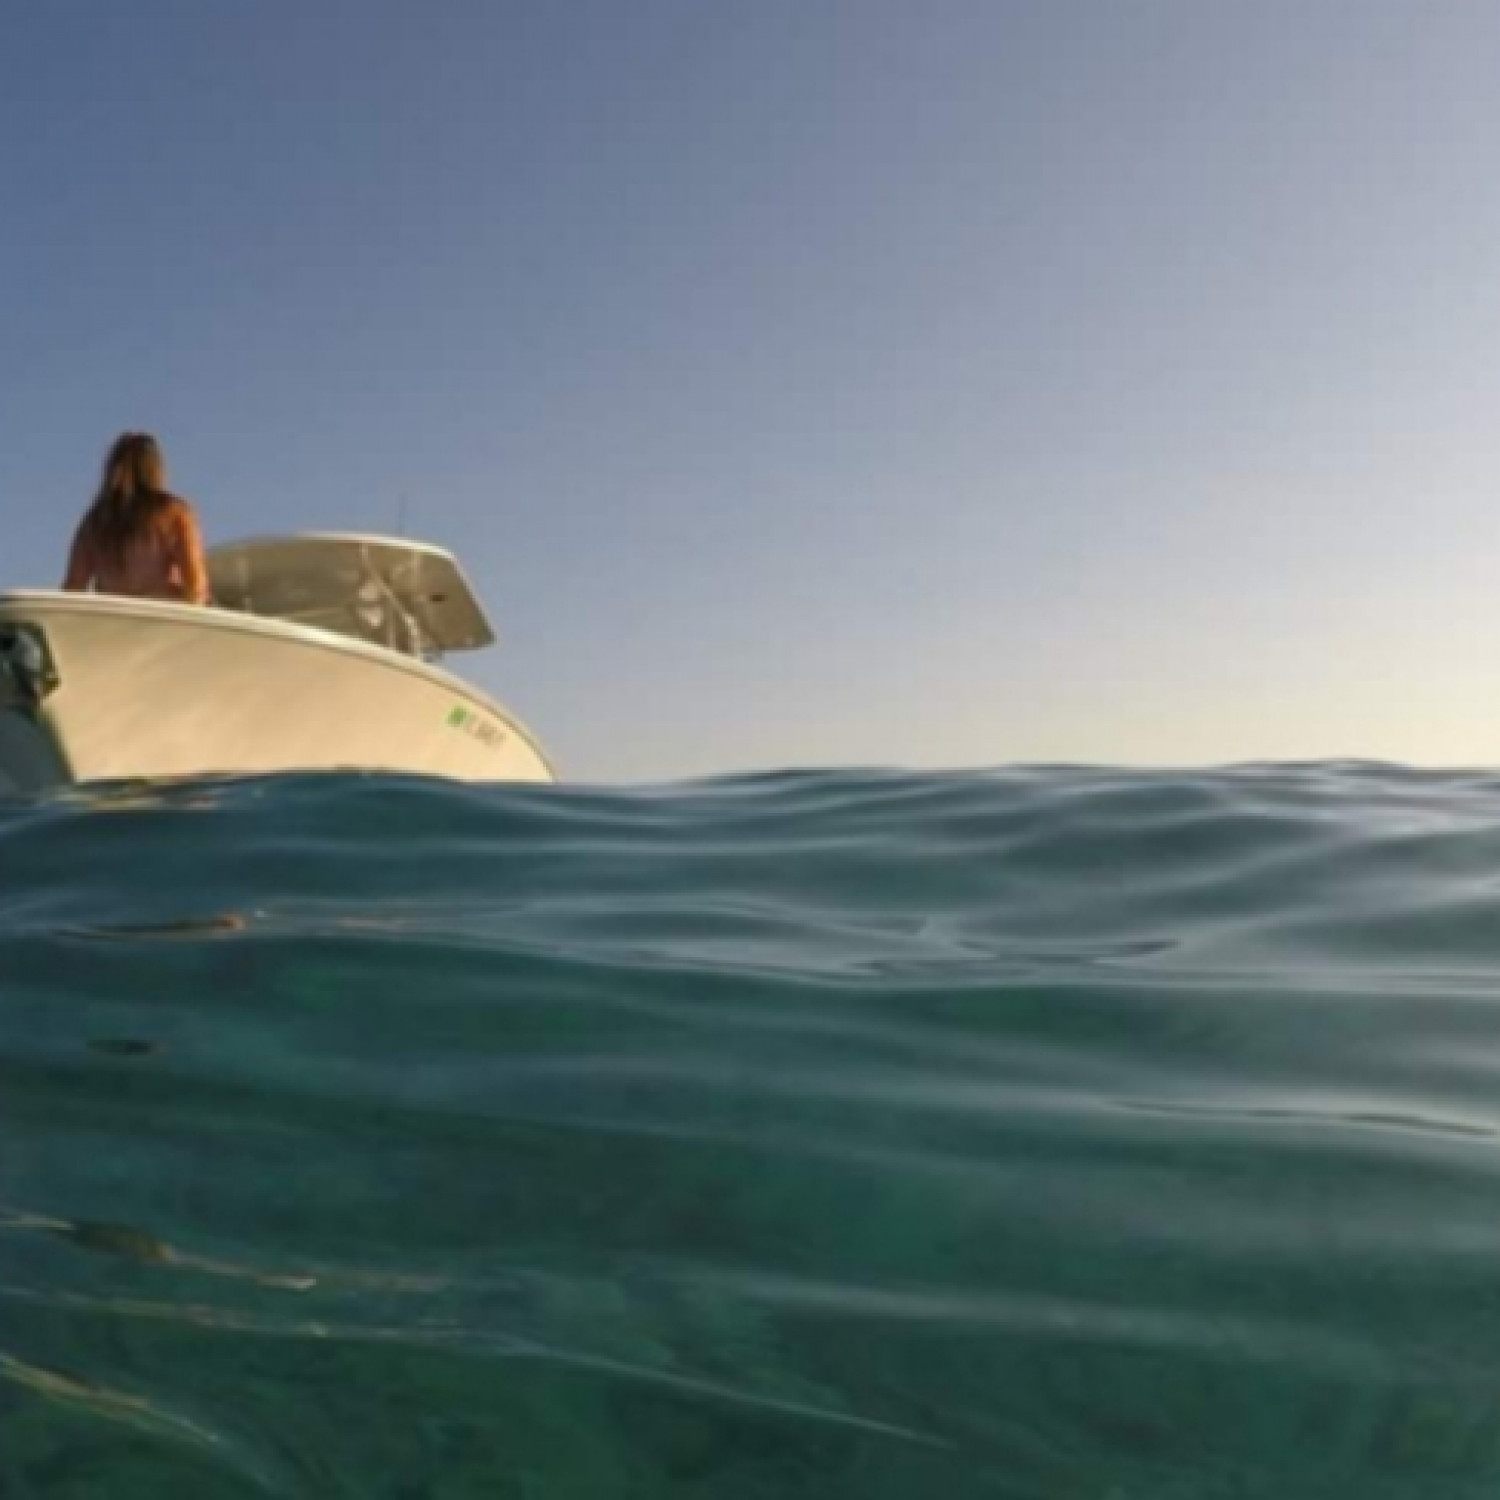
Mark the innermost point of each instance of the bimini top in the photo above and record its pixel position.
(404, 595)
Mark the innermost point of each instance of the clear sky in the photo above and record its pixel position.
(947, 382)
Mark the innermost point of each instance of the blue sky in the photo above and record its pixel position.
(805, 384)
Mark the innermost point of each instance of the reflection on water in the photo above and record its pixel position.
(1048, 1133)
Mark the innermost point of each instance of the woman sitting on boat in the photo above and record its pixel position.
(137, 537)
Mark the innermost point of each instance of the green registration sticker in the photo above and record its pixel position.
(456, 717)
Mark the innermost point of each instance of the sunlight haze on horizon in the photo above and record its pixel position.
(862, 383)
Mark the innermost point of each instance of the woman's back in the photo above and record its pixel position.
(137, 538)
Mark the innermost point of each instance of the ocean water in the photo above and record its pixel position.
(1055, 1133)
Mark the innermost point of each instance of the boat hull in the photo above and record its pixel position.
(133, 688)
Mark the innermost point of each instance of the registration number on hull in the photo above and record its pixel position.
(476, 726)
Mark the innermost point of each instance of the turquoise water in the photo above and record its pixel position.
(1055, 1133)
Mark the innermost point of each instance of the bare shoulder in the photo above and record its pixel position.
(182, 515)
(81, 560)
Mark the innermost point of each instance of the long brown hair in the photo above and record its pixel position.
(132, 502)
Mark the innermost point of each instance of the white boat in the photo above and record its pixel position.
(320, 652)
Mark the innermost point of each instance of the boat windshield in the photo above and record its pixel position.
(405, 596)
